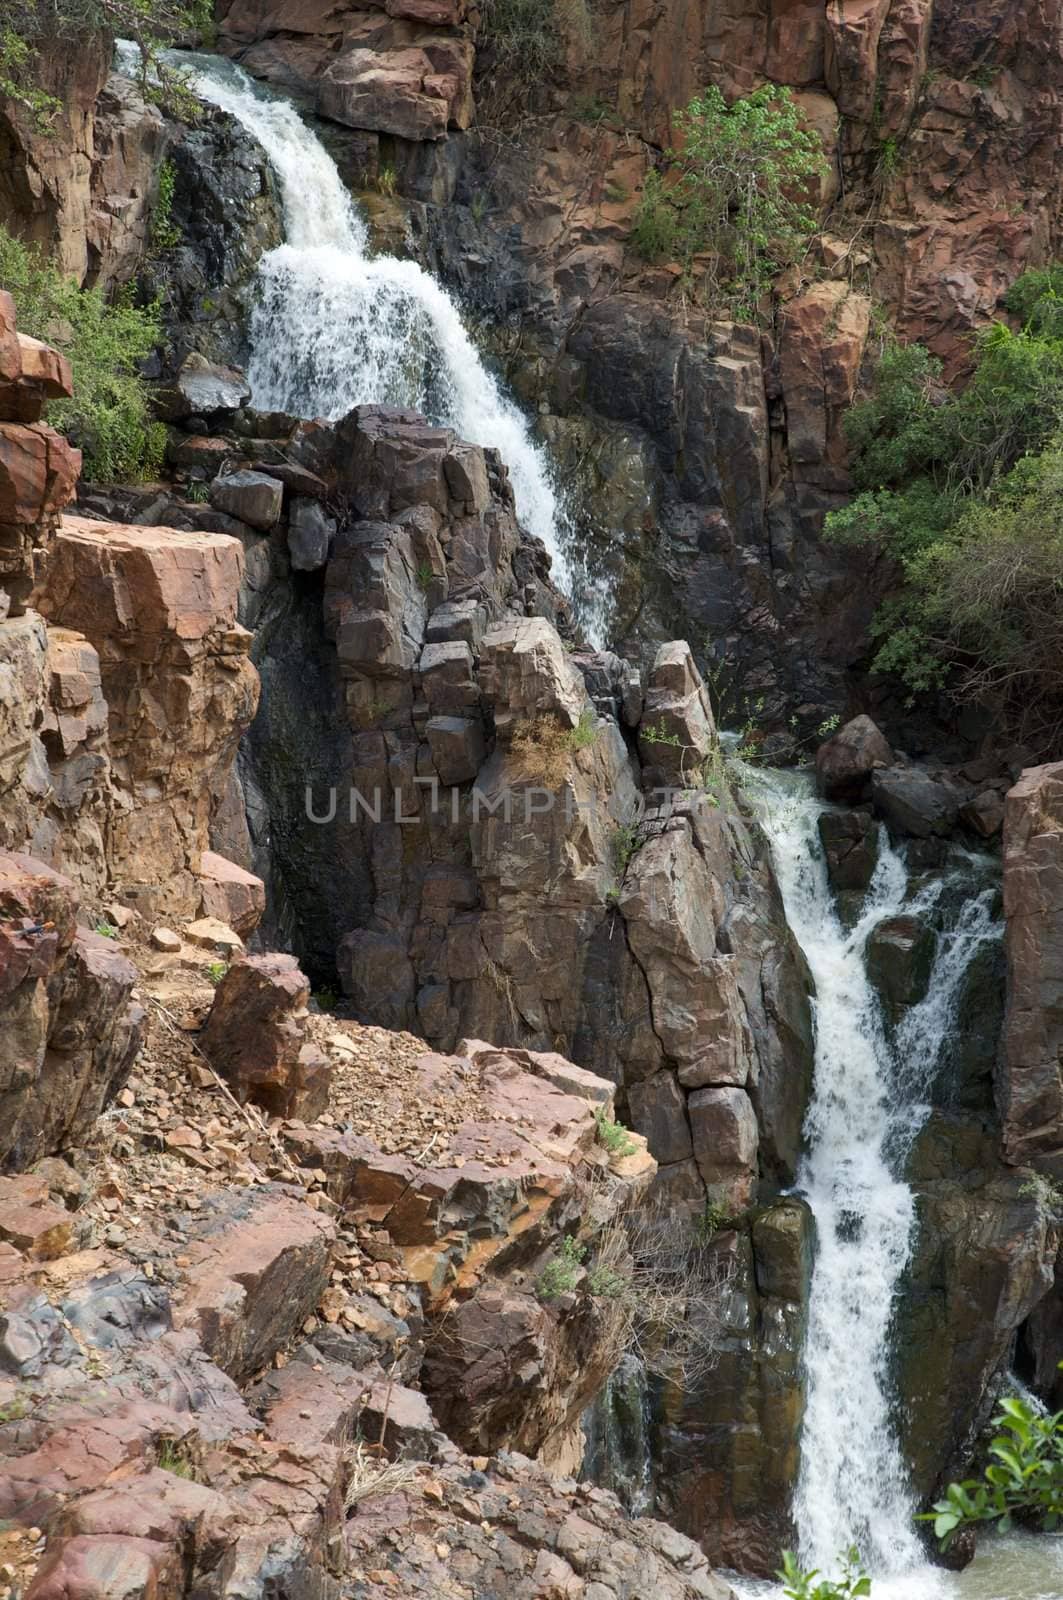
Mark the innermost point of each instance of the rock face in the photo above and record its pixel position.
(68, 1031)
(1030, 1086)
(159, 609)
(254, 1038)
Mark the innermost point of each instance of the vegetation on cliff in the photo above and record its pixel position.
(736, 194)
(109, 417)
(29, 25)
(964, 490)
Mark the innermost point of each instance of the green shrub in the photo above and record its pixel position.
(612, 1135)
(964, 491)
(743, 177)
(1023, 1483)
(28, 24)
(800, 1585)
(164, 235)
(108, 417)
(561, 1275)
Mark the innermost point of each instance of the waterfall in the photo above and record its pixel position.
(868, 1104)
(333, 327)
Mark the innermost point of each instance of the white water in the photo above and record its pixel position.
(868, 1102)
(333, 327)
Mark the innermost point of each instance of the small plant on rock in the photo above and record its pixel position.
(612, 1135)
(216, 971)
(106, 930)
(164, 234)
(561, 1274)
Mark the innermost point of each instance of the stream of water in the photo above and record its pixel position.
(869, 1101)
(333, 326)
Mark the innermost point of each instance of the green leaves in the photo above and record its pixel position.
(743, 179)
(854, 1583)
(108, 417)
(1023, 1482)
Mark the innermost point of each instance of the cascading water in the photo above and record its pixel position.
(869, 1102)
(333, 327)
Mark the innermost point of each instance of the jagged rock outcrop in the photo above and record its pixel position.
(1030, 1084)
(158, 607)
(68, 1030)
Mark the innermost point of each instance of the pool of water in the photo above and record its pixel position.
(1016, 1567)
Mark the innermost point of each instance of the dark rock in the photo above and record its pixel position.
(913, 802)
(310, 534)
(850, 846)
(251, 497)
(201, 389)
(900, 954)
(984, 815)
(844, 764)
(458, 747)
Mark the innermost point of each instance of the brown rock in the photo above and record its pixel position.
(254, 1041)
(844, 764)
(725, 1134)
(230, 894)
(822, 345)
(109, 1567)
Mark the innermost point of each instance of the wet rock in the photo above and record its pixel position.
(850, 848)
(202, 389)
(252, 497)
(913, 802)
(1030, 1088)
(310, 534)
(844, 764)
(900, 954)
(254, 1040)
(982, 1261)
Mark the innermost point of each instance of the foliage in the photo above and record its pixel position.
(164, 235)
(525, 39)
(801, 1585)
(623, 843)
(106, 930)
(743, 177)
(173, 1458)
(612, 1135)
(562, 1273)
(29, 25)
(327, 998)
(108, 416)
(585, 732)
(1047, 1193)
(964, 491)
(387, 181)
(1023, 1483)
(216, 971)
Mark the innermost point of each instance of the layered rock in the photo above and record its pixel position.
(159, 609)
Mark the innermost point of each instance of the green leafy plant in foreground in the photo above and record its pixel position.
(109, 417)
(612, 1135)
(798, 1584)
(1023, 1482)
(561, 1274)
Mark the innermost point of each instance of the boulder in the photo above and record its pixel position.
(251, 497)
(310, 534)
(525, 672)
(900, 954)
(724, 1128)
(254, 1040)
(850, 847)
(913, 802)
(844, 763)
(984, 815)
(458, 747)
(413, 93)
(677, 731)
(202, 389)
(230, 894)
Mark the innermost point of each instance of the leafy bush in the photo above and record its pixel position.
(561, 1275)
(108, 416)
(800, 1585)
(151, 23)
(1023, 1483)
(612, 1135)
(964, 491)
(743, 178)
